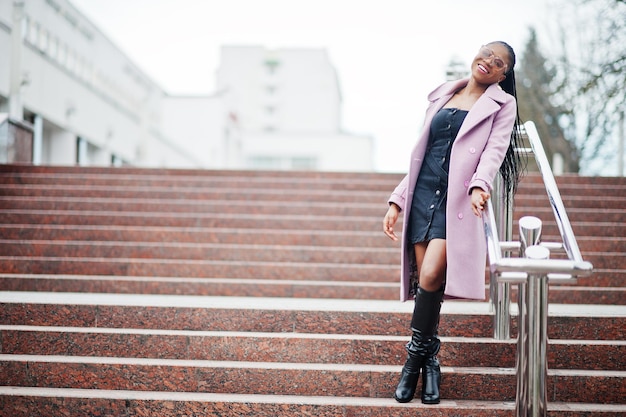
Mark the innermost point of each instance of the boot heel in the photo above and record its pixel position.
(431, 381)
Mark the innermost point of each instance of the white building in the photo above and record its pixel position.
(89, 104)
(285, 109)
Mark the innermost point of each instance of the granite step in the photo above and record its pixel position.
(200, 251)
(104, 175)
(192, 206)
(575, 215)
(224, 220)
(15, 169)
(294, 347)
(24, 171)
(531, 183)
(571, 202)
(615, 278)
(245, 269)
(105, 233)
(586, 186)
(105, 204)
(310, 379)
(234, 252)
(578, 181)
(265, 235)
(576, 294)
(7, 170)
(243, 185)
(261, 181)
(192, 193)
(214, 287)
(302, 271)
(229, 287)
(173, 404)
(253, 194)
(199, 268)
(259, 314)
(252, 221)
(84, 171)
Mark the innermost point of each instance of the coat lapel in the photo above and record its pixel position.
(485, 106)
(439, 97)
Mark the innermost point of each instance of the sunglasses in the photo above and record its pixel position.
(487, 53)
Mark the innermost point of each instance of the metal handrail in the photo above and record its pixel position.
(562, 221)
(574, 266)
(531, 271)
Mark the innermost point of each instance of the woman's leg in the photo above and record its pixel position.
(424, 344)
(431, 264)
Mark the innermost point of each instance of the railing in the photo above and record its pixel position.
(531, 271)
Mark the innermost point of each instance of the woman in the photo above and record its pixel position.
(470, 130)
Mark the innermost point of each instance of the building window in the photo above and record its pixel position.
(61, 53)
(33, 32)
(25, 27)
(43, 40)
(53, 47)
(303, 163)
(264, 162)
(70, 60)
(272, 65)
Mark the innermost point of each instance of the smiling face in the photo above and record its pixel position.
(491, 64)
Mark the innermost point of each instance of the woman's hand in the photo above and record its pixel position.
(390, 220)
(478, 200)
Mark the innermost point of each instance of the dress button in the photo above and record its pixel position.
(432, 206)
(460, 215)
(437, 192)
(466, 184)
(472, 150)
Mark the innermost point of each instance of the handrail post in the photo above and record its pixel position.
(532, 339)
(500, 292)
(537, 334)
(530, 235)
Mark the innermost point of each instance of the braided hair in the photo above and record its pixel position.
(513, 165)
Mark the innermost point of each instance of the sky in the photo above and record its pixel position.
(388, 54)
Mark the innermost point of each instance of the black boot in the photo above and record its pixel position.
(410, 371)
(423, 346)
(431, 371)
(431, 377)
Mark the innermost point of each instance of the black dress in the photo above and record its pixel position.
(427, 219)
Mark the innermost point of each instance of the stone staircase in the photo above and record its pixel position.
(231, 293)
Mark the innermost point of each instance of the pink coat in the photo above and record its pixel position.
(477, 154)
